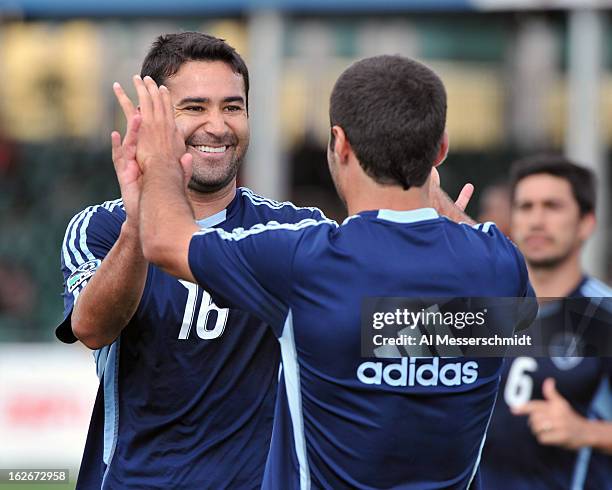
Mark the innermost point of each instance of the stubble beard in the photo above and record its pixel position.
(549, 263)
(206, 184)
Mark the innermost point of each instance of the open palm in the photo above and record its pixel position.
(128, 172)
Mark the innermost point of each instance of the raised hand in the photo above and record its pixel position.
(159, 141)
(444, 204)
(128, 172)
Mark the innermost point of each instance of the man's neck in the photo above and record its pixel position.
(556, 282)
(387, 197)
(208, 204)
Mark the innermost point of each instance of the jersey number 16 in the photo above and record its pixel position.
(206, 305)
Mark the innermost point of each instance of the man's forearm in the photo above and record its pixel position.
(598, 435)
(166, 218)
(111, 297)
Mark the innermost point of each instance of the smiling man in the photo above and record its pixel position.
(217, 152)
(186, 388)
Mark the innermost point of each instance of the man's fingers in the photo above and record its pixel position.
(124, 101)
(539, 421)
(529, 407)
(156, 101)
(131, 136)
(186, 162)
(167, 104)
(549, 438)
(435, 177)
(116, 148)
(549, 390)
(144, 99)
(464, 196)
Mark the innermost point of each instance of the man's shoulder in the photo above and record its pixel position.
(475, 236)
(101, 219)
(271, 210)
(598, 293)
(112, 208)
(594, 288)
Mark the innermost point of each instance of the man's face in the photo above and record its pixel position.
(546, 221)
(210, 111)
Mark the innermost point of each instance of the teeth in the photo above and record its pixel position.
(211, 149)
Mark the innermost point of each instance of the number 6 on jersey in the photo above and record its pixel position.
(519, 386)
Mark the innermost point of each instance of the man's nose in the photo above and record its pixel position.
(215, 123)
(536, 217)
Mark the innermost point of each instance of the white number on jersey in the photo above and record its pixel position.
(206, 306)
(519, 385)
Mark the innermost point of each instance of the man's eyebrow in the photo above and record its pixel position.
(205, 100)
(234, 98)
(193, 100)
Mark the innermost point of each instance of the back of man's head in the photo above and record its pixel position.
(580, 179)
(170, 51)
(393, 112)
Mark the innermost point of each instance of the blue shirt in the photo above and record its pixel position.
(187, 391)
(339, 422)
(513, 458)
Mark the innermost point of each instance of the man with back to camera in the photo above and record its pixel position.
(543, 432)
(340, 422)
(186, 388)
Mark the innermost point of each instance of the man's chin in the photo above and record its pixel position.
(209, 186)
(542, 262)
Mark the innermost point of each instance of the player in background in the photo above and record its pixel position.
(543, 434)
(343, 421)
(186, 388)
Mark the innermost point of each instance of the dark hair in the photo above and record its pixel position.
(170, 51)
(393, 111)
(581, 179)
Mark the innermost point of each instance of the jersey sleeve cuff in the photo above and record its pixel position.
(64, 332)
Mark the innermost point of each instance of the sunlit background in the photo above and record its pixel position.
(520, 79)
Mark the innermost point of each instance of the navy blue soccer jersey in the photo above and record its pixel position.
(340, 421)
(187, 391)
(512, 456)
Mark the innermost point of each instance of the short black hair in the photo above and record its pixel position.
(393, 111)
(581, 179)
(170, 51)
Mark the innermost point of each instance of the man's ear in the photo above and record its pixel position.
(341, 147)
(587, 225)
(443, 150)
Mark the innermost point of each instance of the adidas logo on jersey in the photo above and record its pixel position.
(407, 373)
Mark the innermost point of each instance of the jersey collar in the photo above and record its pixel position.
(222, 215)
(213, 220)
(577, 292)
(411, 216)
(549, 309)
